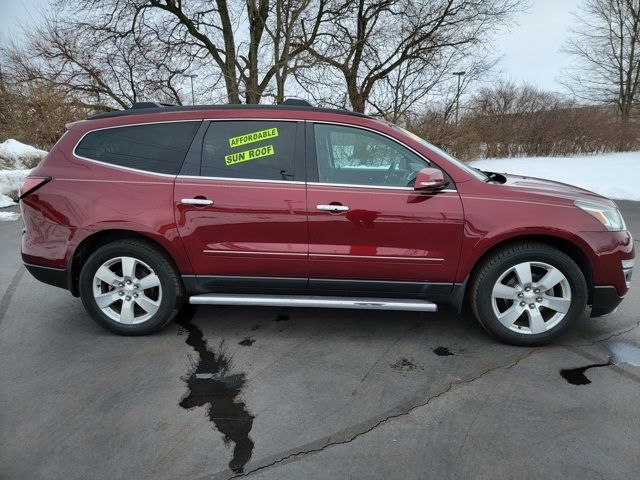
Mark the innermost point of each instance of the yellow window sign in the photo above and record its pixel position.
(247, 155)
(253, 137)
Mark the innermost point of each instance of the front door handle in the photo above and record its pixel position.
(333, 208)
(196, 201)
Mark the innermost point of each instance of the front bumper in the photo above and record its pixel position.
(604, 300)
(611, 257)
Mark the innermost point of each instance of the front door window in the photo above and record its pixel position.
(355, 156)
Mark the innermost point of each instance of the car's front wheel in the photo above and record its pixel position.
(130, 288)
(528, 293)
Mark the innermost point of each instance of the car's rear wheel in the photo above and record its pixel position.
(129, 287)
(528, 293)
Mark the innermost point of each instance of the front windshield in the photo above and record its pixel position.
(472, 171)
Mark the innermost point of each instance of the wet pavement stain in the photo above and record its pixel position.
(442, 351)
(210, 384)
(576, 376)
(406, 365)
(247, 342)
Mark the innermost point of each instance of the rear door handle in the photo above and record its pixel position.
(333, 208)
(196, 201)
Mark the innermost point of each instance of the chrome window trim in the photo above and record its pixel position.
(252, 119)
(395, 140)
(120, 167)
(256, 180)
(295, 182)
(135, 182)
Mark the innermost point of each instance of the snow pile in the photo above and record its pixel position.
(10, 181)
(16, 160)
(614, 175)
(8, 216)
(18, 156)
(6, 201)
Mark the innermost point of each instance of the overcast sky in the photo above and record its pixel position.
(530, 49)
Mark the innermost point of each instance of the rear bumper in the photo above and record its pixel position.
(604, 300)
(58, 277)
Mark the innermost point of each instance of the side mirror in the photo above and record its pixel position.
(430, 179)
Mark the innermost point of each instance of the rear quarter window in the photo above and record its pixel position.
(157, 148)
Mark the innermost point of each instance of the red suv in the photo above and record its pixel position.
(137, 211)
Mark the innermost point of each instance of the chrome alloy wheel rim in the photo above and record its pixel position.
(127, 290)
(531, 297)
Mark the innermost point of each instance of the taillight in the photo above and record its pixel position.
(31, 184)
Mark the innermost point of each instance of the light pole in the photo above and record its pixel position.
(459, 75)
(192, 76)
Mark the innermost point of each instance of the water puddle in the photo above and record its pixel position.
(576, 376)
(620, 352)
(211, 384)
(442, 351)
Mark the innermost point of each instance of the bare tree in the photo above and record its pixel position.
(101, 71)
(413, 86)
(247, 41)
(606, 45)
(37, 114)
(367, 42)
(386, 55)
(510, 120)
(288, 18)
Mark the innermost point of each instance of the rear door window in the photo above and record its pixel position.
(157, 147)
(261, 150)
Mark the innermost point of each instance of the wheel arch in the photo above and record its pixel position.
(103, 237)
(569, 248)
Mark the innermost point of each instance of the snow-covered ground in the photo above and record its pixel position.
(614, 175)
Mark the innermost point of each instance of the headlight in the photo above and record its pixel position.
(610, 217)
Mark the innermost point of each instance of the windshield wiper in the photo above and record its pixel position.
(486, 174)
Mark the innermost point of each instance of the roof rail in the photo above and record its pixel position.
(296, 102)
(150, 105)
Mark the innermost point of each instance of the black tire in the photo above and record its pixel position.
(497, 264)
(168, 301)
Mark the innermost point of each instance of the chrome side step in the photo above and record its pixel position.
(314, 302)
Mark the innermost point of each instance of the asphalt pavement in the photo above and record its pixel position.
(273, 393)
